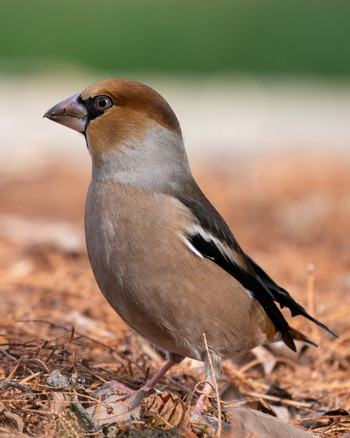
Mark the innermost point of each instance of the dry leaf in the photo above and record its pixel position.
(118, 408)
(246, 423)
(163, 410)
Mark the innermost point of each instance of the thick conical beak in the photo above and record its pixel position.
(70, 112)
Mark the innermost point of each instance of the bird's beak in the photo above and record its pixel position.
(70, 112)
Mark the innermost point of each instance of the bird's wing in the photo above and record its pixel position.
(282, 296)
(211, 237)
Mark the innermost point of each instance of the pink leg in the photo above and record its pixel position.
(113, 385)
(159, 374)
(197, 410)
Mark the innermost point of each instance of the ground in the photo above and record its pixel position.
(290, 213)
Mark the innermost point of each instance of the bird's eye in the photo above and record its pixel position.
(102, 103)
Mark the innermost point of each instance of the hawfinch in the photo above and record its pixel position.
(162, 256)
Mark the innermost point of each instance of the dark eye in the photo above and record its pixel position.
(102, 103)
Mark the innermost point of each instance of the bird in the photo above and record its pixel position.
(162, 255)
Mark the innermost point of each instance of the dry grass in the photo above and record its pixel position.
(287, 214)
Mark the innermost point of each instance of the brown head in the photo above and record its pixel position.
(115, 113)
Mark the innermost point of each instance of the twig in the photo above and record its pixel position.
(311, 299)
(13, 372)
(232, 372)
(87, 417)
(280, 359)
(285, 401)
(12, 416)
(31, 377)
(102, 344)
(13, 384)
(164, 420)
(4, 352)
(310, 288)
(219, 429)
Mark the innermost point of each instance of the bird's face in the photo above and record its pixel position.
(115, 114)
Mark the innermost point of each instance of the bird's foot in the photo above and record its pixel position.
(197, 410)
(112, 387)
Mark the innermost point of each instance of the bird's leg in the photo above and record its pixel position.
(159, 374)
(113, 385)
(213, 371)
(197, 410)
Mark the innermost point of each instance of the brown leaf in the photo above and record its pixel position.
(163, 410)
(118, 408)
(246, 423)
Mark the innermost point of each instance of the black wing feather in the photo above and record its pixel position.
(251, 276)
(253, 284)
(283, 297)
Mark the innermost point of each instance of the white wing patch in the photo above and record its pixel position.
(251, 296)
(225, 250)
(192, 248)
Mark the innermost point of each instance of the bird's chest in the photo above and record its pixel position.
(130, 236)
(122, 228)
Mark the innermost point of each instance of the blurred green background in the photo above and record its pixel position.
(299, 37)
(243, 76)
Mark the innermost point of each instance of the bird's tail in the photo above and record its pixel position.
(298, 336)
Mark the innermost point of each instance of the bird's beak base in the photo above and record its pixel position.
(70, 112)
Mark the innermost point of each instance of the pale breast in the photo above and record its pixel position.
(162, 289)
